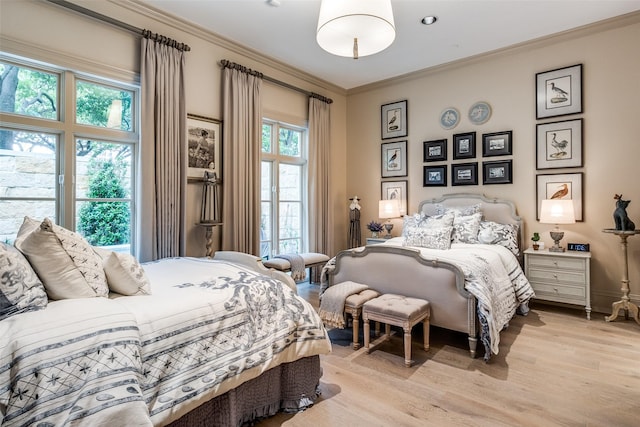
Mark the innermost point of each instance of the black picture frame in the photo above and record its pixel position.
(464, 173)
(434, 151)
(559, 144)
(559, 92)
(464, 146)
(570, 186)
(497, 144)
(497, 172)
(434, 176)
(393, 120)
(393, 156)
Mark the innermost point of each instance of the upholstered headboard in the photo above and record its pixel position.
(497, 210)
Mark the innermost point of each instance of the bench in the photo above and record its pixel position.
(312, 260)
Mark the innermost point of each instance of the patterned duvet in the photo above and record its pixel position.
(208, 327)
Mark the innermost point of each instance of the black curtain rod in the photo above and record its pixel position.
(143, 33)
(228, 64)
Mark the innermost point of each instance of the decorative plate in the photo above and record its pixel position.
(479, 113)
(449, 118)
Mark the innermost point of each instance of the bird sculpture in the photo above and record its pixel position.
(559, 146)
(563, 191)
(558, 91)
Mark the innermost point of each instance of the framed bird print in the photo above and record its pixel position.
(566, 186)
(394, 159)
(559, 144)
(394, 120)
(559, 92)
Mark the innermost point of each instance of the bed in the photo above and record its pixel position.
(200, 342)
(474, 281)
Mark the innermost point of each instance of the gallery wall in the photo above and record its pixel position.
(610, 54)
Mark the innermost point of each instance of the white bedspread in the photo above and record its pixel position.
(141, 360)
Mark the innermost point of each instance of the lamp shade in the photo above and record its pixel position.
(556, 211)
(388, 209)
(354, 28)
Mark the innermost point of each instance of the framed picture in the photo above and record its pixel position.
(464, 174)
(394, 159)
(464, 146)
(559, 145)
(559, 92)
(497, 144)
(434, 176)
(435, 151)
(449, 118)
(394, 120)
(204, 146)
(395, 190)
(560, 186)
(498, 172)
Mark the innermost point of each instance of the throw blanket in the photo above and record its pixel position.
(332, 303)
(298, 270)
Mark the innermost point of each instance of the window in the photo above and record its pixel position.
(68, 146)
(283, 189)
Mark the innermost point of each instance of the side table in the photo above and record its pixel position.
(375, 240)
(624, 304)
(208, 227)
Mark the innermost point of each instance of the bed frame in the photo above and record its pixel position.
(389, 269)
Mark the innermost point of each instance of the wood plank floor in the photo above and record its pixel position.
(554, 368)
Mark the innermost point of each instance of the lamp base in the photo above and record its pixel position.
(556, 236)
(388, 226)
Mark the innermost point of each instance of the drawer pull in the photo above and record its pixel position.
(556, 290)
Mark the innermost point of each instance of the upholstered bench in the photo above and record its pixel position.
(312, 260)
(397, 310)
(353, 306)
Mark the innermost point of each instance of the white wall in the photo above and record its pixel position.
(610, 55)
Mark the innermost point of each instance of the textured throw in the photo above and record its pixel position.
(298, 270)
(332, 303)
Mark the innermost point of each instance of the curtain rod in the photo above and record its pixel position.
(228, 64)
(120, 24)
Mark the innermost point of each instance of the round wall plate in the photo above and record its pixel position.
(479, 113)
(449, 118)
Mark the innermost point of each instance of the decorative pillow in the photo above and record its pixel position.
(20, 288)
(458, 210)
(466, 227)
(124, 273)
(422, 220)
(500, 234)
(64, 261)
(432, 237)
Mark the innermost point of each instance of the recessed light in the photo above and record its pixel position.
(428, 20)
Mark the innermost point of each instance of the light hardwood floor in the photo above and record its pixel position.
(554, 368)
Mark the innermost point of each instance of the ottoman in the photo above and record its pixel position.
(353, 306)
(397, 310)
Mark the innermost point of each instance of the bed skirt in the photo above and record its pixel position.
(290, 387)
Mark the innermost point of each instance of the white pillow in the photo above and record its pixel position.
(500, 234)
(124, 273)
(466, 227)
(431, 237)
(64, 260)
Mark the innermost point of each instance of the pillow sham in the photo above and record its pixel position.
(422, 220)
(500, 234)
(124, 273)
(458, 210)
(64, 260)
(20, 288)
(466, 227)
(429, 237)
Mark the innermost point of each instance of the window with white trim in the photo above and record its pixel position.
(283, 227)
(68, 149)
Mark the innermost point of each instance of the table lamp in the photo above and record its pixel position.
(557, 211)
(388, 209)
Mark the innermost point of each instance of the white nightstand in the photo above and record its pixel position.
(375, 240)
(560, 276)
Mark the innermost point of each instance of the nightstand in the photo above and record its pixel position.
(375, 240)
(560, 276)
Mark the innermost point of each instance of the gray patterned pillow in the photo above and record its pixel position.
(422, 220)
(466, 227)
(500, 234)
(20, 288)
(460, 210)
(428, 237)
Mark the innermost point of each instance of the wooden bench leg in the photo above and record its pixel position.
(366, 334)
(425, 327)
(407, 346)
(356, 325)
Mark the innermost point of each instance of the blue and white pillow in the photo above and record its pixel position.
(20, 288)
(500, 234)
(466, 228)
(428, 237)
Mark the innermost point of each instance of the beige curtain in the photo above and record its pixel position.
(162, 167)
(242, 136)
(319, 192)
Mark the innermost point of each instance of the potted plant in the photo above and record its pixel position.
(535, 238)
(374, 228)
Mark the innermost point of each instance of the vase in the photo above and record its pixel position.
(374, 234)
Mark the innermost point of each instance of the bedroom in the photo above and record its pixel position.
(610, 78)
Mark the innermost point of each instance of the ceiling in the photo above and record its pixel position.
(464, 28)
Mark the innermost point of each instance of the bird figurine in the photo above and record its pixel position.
(559, 146)
(561, 95)
(563, 191)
